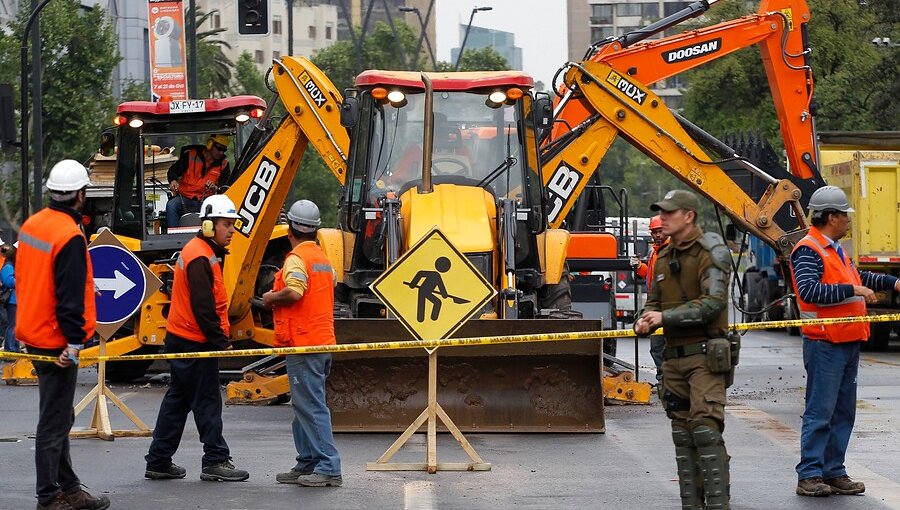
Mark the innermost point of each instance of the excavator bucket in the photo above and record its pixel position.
(533, 387)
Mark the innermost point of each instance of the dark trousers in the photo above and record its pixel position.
(194, 388)
(56, 387)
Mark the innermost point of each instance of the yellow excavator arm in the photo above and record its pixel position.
(625, 107)
(313, 104)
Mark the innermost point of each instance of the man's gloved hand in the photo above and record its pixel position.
(635, 262)
(69, 356)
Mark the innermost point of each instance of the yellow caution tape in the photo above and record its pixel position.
(452, 342)
(22, 355)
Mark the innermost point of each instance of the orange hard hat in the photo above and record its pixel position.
(655, 222)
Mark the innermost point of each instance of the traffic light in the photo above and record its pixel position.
(253, 17)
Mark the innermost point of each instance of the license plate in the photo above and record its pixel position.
(187, 106)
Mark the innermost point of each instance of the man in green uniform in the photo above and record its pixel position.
(688, 299)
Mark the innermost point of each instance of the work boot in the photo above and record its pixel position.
(814, 487)
(320, 480)
(223, 472)
(170, 472)
(845, 485)
(292, 475)
(58, 503)
(82, 500)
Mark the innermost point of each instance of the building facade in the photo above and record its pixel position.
(591, 21)
(503, 42)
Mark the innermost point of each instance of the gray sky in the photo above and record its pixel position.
(539, 28)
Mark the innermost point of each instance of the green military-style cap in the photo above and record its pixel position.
(677, 199)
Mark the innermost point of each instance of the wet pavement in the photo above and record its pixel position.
(631, 466)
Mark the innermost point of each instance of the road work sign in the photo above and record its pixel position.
(122, 281)
(433, 288)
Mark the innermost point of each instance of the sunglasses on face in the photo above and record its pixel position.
(220, 147)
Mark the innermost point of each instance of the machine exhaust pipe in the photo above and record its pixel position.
(429, 136)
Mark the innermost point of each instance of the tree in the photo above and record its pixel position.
(481, 59)
(78, 54)
(732, 94)
(213, 66)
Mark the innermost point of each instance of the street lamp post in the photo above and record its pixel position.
(422, 34)
(462, 46)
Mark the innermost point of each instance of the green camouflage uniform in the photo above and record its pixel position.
(690, 282)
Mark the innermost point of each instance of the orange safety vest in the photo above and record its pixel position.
(837, 270)
(181, 320)
(645, 271)
(193, 184)
(309, 321)
(42, 236)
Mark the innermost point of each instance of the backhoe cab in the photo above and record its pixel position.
(478, 180)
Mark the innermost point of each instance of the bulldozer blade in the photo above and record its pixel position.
(533, 387)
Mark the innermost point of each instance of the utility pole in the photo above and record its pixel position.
(37, 127)
(192, 48)
(422, 33)
(290, 19)
(23, 85)
(462, 46)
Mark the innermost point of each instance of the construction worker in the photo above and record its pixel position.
(829, 285)
(196, 175)
(57, 315)
(197, 322)
(688, 298)
(642, 270)
(302, 298)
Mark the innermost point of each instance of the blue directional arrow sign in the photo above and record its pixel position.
(119, 279)
(122, 282)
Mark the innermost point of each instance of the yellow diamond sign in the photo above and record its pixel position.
(433, 288)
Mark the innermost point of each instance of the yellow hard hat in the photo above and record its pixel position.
(220, 139)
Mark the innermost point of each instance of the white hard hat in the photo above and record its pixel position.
(218, 206)
(304, 216)
(829, 198)
(68, 175)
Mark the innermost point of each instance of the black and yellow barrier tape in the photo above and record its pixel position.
(449, 342)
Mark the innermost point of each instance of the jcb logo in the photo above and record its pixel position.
(626, 87)
(314, 93)
(256, 196)
(560, 188)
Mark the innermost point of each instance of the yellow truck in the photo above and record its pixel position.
(865, 167)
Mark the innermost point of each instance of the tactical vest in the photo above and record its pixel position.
(675, 290)
(837, 271)
(181, 320)
(309, 321)
(40, 240)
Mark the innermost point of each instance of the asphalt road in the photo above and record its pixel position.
(630, 467)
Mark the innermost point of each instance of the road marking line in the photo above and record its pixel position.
(877, 486)
(419, 495)
(879, 362)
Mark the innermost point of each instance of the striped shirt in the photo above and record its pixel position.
(808, 269)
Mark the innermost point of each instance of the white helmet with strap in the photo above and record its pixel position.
(67, 177)
(218, 206)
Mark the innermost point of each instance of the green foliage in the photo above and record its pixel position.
(380, 50)
(482, 59)
(248, 79)
(315, 182)
(78, 54)
(134, 90)
(213, 66)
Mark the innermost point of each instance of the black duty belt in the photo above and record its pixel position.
(683, 351)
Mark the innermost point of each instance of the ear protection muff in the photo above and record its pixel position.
(207, 226)
(209, 144)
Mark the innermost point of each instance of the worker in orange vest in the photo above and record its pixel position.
(302, 299)
(56, 316)
(196, 175)
(829, 285)
(642, 269)
(197, 322)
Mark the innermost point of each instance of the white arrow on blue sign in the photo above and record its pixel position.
(119, 277)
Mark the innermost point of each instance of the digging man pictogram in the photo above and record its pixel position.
(430, 285)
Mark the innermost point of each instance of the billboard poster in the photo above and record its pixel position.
(168, 70)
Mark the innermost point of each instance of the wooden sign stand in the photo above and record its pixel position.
(100, 426)
(430, 414)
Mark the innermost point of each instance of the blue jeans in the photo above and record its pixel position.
(10, 343)
(179, 205)
(830, 407)
(312, 419)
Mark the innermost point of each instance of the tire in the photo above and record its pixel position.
(557, 295)
(129, 371)
(792, 313)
